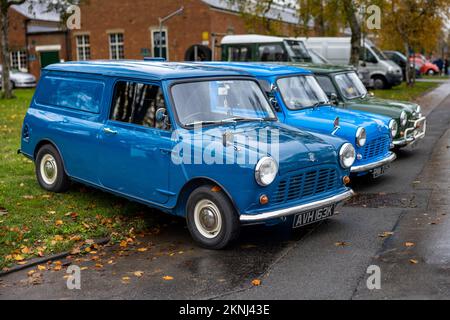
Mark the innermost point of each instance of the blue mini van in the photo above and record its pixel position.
(198, 142)
(301, 102)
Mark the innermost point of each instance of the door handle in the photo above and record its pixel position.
(109, 131)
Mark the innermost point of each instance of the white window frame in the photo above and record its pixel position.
(152, 35)
(116, 45)
(21, 65)
(83, 46)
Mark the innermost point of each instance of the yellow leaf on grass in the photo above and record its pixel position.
(18, 257)
(167, 278)
(142, 249)
(25, 250)
(123, 243)
(59, 222)
(58, 238)
(256, 282)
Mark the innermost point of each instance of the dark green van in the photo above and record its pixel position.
(345, 90)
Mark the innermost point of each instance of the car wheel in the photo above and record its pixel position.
(50, 171)
(211, 218)
(379, 83)
(430, 72)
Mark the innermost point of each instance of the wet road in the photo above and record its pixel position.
(324, 261)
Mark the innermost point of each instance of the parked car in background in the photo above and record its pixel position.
(253, 47)
(401, 60)
(383, 73)
(346, 91)
(425, 66)
(20, 79)
(300, 102)
(178, 137)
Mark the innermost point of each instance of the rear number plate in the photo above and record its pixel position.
(304, 218)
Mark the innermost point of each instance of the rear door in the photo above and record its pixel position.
(134, 147)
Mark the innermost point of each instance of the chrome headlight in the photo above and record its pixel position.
(393, 126)
(266, 170)
(361, 137)
(403, 119)
(347, 155)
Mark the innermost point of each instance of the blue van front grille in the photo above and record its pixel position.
(376, 148)
(307, 183)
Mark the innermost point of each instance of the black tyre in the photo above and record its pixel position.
(380, 82)
(50, 171)
(211, 218)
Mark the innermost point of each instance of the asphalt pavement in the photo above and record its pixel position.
(399, 223)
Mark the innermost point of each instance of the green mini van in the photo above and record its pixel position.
(345, 89)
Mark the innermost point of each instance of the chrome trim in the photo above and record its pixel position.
(405, 140)
(297, 209)
(373, 165)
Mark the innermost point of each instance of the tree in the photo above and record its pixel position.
(413, 26)
(4, 43)
(60, 6)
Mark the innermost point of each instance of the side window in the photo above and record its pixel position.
(141, 104)
(272, 52)
(368, 56)
(239, 54)
(326, 84)
(72, 93)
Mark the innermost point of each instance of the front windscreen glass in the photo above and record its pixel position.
(220, 101)
(350, 85)
(379, 53)
(301, 92)
(297, 51)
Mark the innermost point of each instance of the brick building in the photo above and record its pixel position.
(118, 29)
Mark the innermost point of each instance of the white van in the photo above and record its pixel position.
(383, 72)
(255, 47)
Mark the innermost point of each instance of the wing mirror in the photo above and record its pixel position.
(161, 115)
(275, 105)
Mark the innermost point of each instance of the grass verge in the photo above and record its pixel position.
(36, 223)
(406, 93)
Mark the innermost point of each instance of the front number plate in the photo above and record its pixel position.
(377, 172)
(304, 218)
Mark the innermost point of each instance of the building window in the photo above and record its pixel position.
(19, 60)
(83, 47)
(156, 36)
(116, 46)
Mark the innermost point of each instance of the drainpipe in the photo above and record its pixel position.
(161, 23)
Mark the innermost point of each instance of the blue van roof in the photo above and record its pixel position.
(260, 69)
(144, 69)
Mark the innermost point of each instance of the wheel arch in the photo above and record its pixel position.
(44, 142)
(193, 184)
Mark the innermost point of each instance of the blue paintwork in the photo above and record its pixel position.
(136, 162)
(321, 119)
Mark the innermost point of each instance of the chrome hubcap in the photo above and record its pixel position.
(48, 168)
(208, 219)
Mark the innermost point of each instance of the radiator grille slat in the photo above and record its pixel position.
(306, 183)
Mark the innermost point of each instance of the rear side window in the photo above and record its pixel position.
(138, 103)
(72, 93)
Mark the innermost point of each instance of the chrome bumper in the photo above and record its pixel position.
(297, 209)
(412, 134)
(373, 165)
